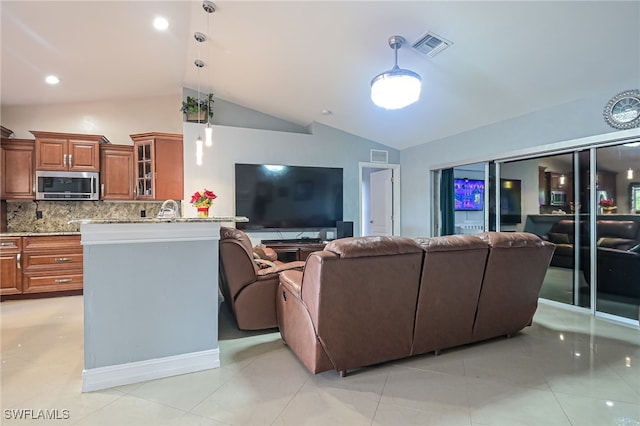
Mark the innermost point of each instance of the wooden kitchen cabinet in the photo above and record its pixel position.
(158, 166)
(10, 267)
(17, 169)
(68, 151)
(116, 172)
(51, 263)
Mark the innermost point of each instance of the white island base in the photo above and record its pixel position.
(150, 300)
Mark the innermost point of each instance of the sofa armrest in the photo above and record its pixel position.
(292, 280)
(279, 267)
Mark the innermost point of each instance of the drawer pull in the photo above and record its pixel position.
(63, 280)
(18, 262)
(5, 244)
(63, 259)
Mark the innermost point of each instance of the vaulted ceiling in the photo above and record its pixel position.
(294, 59)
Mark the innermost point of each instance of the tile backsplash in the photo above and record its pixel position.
(23, 216)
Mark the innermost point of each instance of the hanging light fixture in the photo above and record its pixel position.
(199, 64)
(396, 88)
(208, 7)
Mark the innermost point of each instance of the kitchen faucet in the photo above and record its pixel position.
(167, 212)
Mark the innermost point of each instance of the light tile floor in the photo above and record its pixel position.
(567, 369)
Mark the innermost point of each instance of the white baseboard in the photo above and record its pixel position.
(140, 371)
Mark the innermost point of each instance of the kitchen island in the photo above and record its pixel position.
(150, 298)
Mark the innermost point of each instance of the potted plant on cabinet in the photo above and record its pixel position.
(197, 109)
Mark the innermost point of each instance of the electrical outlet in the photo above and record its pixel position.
(143, 213)
(38, 214)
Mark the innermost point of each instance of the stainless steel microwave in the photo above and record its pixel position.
(67, 186)
(558, 198)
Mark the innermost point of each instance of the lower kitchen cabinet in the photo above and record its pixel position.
(10, 272)
(41, 264)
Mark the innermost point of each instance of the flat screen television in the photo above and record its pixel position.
(276, 197)
(469, 194)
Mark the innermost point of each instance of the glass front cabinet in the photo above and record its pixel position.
(159, 168)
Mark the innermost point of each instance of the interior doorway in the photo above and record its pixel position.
(379, 199)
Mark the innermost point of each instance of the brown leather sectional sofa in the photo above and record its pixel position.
(367, 300)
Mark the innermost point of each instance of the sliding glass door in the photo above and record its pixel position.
(586, 201)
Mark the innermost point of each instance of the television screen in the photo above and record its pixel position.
(469, 194)
(288, 197)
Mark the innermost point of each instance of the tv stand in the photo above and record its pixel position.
(289, 250)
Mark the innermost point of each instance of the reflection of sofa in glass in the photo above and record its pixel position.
(618, 253)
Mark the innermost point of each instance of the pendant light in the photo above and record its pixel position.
(396, 88)
(199, 153)
(208, 7)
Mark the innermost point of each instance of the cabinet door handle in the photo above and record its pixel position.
(62, 259)
(64, 160)
(63, 280)
(19, 260)
(102, 189)
(70, 160)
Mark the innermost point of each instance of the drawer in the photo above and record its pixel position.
(51, 261)
(10, 244)
(52, 242)
(43, 282)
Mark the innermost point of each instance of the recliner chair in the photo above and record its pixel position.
(249, 289)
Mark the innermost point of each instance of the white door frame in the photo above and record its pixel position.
(396, 193)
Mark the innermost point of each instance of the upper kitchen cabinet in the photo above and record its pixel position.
(116, 172)
(17, 169)
(158, 166)
(68, 151)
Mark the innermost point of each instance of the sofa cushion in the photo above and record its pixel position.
(617, 229)
(451, 243)
(511, 239)
(372, 246)
(558, 238)
(616, 243)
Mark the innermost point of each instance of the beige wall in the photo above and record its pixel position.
(116, 120)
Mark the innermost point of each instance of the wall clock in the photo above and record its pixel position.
(623, 110)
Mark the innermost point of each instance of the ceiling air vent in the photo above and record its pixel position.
(431, 44)
(379, 156)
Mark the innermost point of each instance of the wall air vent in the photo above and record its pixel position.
(431, 44)
(379, 156)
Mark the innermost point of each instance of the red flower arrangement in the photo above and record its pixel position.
(203, 199)
(607, 202)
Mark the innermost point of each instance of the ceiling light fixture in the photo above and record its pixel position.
(160, 23)
(208, 7)
(52, 80)
(396, 88)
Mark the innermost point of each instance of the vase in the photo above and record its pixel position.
(203, 211)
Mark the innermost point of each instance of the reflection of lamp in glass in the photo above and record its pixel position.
(630, 173)
(562, 179)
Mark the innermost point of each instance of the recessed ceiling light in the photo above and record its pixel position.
(160, 23)
(52, 79)
(326, 112)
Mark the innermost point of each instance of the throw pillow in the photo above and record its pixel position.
(264, 264)
(558, 238)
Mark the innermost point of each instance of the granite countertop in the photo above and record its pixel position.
(37, 234)
(165, 220)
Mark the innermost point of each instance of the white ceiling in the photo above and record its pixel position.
(293, 59)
